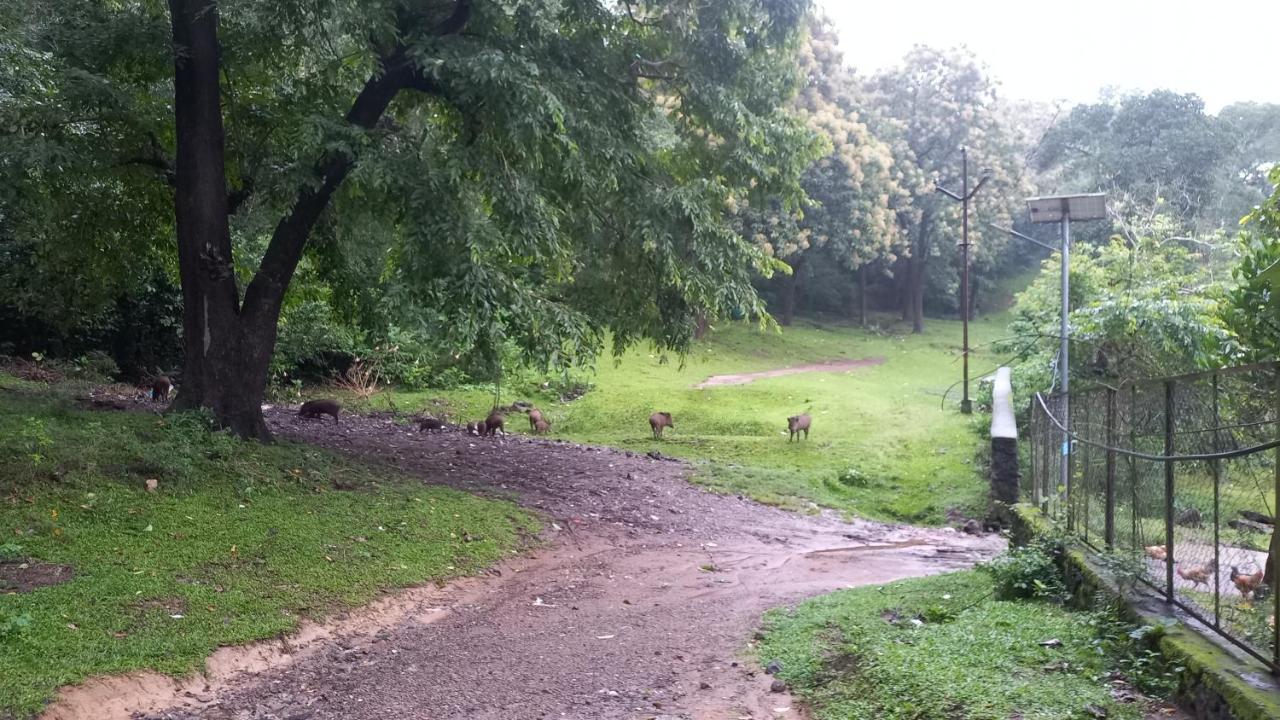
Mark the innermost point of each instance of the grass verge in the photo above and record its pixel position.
(237, 542)
(882, 445)
(942, 648)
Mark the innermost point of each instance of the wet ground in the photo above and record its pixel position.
(642, 602)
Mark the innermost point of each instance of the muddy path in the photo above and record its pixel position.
(641, 604)
(826, 366)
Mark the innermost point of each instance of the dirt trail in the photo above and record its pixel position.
(825, 366)
(639, 606)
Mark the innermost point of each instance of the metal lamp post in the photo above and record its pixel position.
(963, 197)
(1062, 209)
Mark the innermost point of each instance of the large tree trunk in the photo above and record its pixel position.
(789, 292)
(862, 295)
(904, 287)
(917, 297)
(218, 373)
(229, 344)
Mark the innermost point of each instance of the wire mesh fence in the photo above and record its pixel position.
(1179, 477)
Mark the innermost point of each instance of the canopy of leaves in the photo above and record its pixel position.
(564, 177)
(1158, 153)
(853, 189)
(927, 109)
(1138, 310)
(1253, 308)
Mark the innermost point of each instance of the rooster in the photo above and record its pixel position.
(1156, 552)
(1246, 584)
(1197, 576)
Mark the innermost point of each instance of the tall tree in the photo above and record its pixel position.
(1153, 154)
(927, 108)
(543, 171)
(851, 191)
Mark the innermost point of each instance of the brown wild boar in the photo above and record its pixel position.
(797, 424)
(316, 408)
(493, 423)
(660, 420)
(160, 387)
(430, 423)
(534, 416)
(481, 429)
(541, 427)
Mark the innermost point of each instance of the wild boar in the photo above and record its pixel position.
(660, 420)
(160, 387)
(430, 423)
(797, 424)
(316, 408)
(494, 423)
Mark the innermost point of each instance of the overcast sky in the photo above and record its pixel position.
(1222, 50)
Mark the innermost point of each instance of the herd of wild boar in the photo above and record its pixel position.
(159, 387)
(495, 422)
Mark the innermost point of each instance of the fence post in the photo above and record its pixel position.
(1134, 541)
(1168, 490)
(1273, 551)
(1067, 457)
(1109, 517)
(1034, 437)
(1215, 466)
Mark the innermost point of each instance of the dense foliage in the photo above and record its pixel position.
(1138, 310)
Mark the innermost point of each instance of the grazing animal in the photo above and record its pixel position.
(1196, 575)
(316, 408)
(494, 423)
(541, 427)
(660, 420)
(430, 423)
(160, 387)
(1189, 517)
(535, 415)
(1156, 552)
(1247, 584)
(797, 424)
(481, 429)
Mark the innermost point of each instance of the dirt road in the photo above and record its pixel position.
(641, 605)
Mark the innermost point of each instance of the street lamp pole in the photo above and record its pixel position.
(966, 405)
(1062, 209)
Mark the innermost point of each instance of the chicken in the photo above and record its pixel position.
(1246, 584)
(1197, 576)
(1156, 552)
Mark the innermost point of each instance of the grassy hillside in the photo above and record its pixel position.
(882, 445)
(236, 543)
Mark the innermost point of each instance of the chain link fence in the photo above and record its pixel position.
(1176, 478)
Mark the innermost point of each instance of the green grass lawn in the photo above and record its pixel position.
(939, 648)
(238, 542)
(882, 445)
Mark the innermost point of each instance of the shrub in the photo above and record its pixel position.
(97, 365)
(1027, 572)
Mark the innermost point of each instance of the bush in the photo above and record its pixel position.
(97, 365)
(312, 344)
(1027, 572)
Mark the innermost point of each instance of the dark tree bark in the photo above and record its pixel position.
(229, 343)
(700, 330)
(789, 292)
(862, 295)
